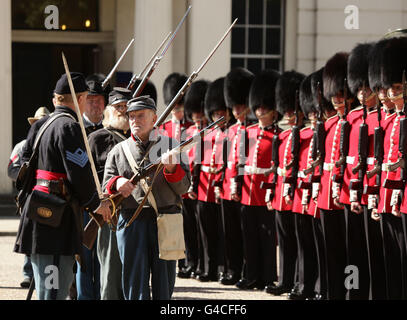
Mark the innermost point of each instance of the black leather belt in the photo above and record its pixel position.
(54, 186)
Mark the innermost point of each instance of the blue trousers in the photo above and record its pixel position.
(138, 250)
(88, 280)
(53, 275)
(27, 267)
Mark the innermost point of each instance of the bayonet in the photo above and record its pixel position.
(157, 59)
(106, 81)
(137, 77)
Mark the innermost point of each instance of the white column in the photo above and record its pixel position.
(124, 32)
(153, 21)
(6, 95)
(209, 20)
(306, 41)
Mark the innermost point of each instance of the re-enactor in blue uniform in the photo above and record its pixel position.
(61, 155)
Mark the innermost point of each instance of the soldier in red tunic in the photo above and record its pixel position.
(356, 162)
(236, 91)
(258, 224)
(393, 63)
(287, 86)
(307, 256)
(194, 111)
(372, 181)
(172, 84)
(209, 212)
(332, 217)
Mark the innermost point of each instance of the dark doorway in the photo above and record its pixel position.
(36, 68)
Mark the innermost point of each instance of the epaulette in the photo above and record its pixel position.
(336, 115)
(356, 109)
(251, 126)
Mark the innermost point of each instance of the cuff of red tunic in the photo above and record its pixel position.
(176, 176)
(111, 185)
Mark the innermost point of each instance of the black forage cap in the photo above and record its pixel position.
(78, 81)
(118, 95)
(140, 103)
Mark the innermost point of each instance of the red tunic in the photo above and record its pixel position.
(174, 128)
(233, 137)
(372, 123)
(285, 156)
(332, 154)
(304, 161)
(355, 119)
(212, 158)
(192, 130)
(391, 145)
(257, 161)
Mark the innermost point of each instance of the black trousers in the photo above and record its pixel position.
(210, 224)
(394, 255)
(191, 233)
(374, 242)
(259, 244)
(307, 255)
(287, 246)
(356, 254)
(333, 230)
(231, 211)
(321, 281)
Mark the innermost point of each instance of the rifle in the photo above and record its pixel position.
(275, 161)
(157, 59)
(401, 162)
(93, 224)
(363, 150)
(344, 140)
(378, 142)
(295, 149)
(91, 229)
(106, 81)
(137, 77)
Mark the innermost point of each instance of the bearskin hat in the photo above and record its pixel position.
(237, 86)
(334, 75)
(394, 61)
(214, 98)
(172, 84)
(358, 66)
(316, 81)
(195, 98)
(306, 97)
(149, 90)
(286, 88)
(375, 62)
(262, 90)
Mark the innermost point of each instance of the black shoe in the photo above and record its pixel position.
(206, 278)
(277, 290)
(245, 284)
(25, 283)
(229, 280)
(298, 296)
(184, 273)
(316, 297)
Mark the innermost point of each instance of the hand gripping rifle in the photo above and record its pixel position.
(91, 228)
(344, 140)
(378, 153)
(363, 150)
(401, 162)
(106, 81)
(157, 59)
(137, 77)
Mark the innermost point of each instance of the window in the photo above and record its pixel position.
(78, 15)
(258, 36)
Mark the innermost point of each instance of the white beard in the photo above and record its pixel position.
(115, 120)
